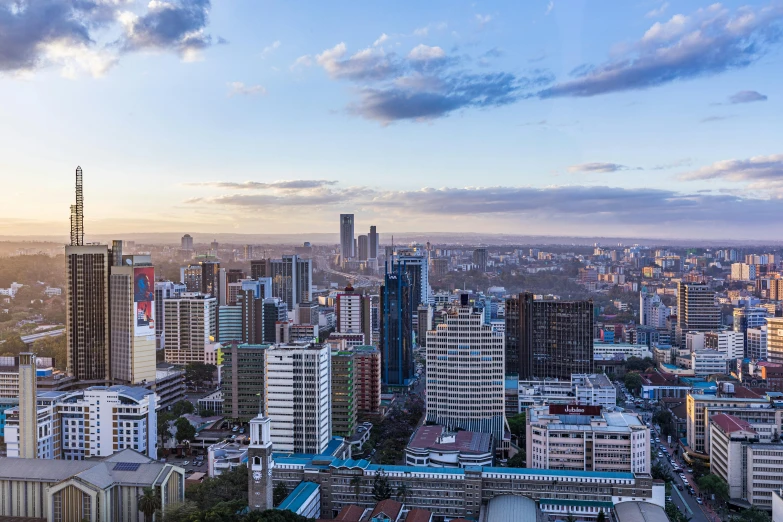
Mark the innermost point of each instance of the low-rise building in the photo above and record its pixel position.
(169, 386)
(594, 389)
(586, 438)
(212, 402)
(708, 362)
(435, 447)
(225, 456)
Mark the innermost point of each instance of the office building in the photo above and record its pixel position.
(343, 393)
(396, 329)
(95, 490)
(364, 247)
(307, 313)
(258, 268)
(132, 314)
(210, 278)
(186, 243)
(708, 362)
(191, 277)
(298, 398)
(751, 470)
(367, 370)
(743, 272)
(440, 266)
(652, 311)
(225, 456)
(93, 422)
(756, 343)
(480, 259)
(190, 325)
(169, 386)
(373, 243)
(346, 236)
(762, 414)
(353, 313)
(243, 380)
(27, 434)
(230, 324)
(731, 344)
(775, 339)
(465, 373)
(164, 290)
(744, 318)
(586, 438)
(87, 312)
(415, 264)
(292, 279)
(594, 389)
(436, 447)
(696, 309)
(548, 338)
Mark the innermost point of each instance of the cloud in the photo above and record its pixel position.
(302, 61)
(658, 11)
(382, 38)
(269, 49)
(747, 97)
(710, 119)
(425, 31)
(597, 167)
(422, 85)
(755, 169)
(549, 7)
(240, 89)
(169, 25)
(299, 184)
(708, 42)
(684, 162)
(483, 20)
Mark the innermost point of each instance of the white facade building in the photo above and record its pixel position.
(629, 350)
(94, 422)
(298, 397)
(652, 311)
(225, 456)
(708, 362)
(757, 343)
(594, 389)
(743, 272)
(189, 323)
(465, 373)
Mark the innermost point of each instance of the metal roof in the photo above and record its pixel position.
(296, 499)
(639, 512)
(512, 507)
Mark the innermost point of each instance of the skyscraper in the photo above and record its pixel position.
(87, 299)
(465, 372)
(480, 259)
(189, 325)
(132, 312)
(364, 248)
(548, 338)
(696, 310)
(191, 277)
(187, 243)
(343, 393)
(210, 278)
(258, 268)
(396, 336)
(346, 236)
(353, 313)
(164, 290)
(28, 407)
(373, 243)
(417, 268)
(292, 279)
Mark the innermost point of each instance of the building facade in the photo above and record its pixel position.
(396, 329)
(347, 236)
(190, 324)
(243, 380)
(343, 393)
(367, 364)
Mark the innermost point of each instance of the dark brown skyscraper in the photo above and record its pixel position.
(548, 338)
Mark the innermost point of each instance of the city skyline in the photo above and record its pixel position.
(646, 120)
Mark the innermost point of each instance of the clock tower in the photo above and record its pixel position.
(259, 458)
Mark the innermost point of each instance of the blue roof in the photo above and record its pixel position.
(512, 384)
(560, 472)
(416, 469)
(333, 446)
(670, 366)
(298, 496)
(350, 463)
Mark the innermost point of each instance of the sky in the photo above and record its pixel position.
(545, 117)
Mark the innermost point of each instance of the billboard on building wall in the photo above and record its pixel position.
(144, 300)
(573, 409)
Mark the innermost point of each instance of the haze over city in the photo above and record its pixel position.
(643, 119)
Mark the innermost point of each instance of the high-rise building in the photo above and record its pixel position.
(248, 252)
(28, 409)
(417, 268)
(347, 236)
(87, 312)
(364, 248)
(189, 324)
(299, 397)
(373, 243)
(353, 313)
(465, 372)
(743, 272)
(480, 259)
(187, 243)
(292, 279)
(367, 370)
(652, 311)
(229, 324)
(164, 290)
(775, 339)
(440, 266)
(132, 313)
(191, 277)
(210, 278)
(696, 308)
(243, 380)
(258, 268)
(548, 337)
(756, 343)
(343, 393)
(396, 332)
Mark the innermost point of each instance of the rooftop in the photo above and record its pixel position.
(731, 424)
(430, 437)
(389, 507)
(296, 499)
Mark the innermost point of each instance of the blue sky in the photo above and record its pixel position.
(643, 118)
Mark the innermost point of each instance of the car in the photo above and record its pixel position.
(669, 498)
(699, 500)
(689, 470)
(660, 454)
(235, 429)
(190, 471)
(233, 437)
(693, 491)
(241, 430)
(186, 463)
(679, 487)
(685, 481)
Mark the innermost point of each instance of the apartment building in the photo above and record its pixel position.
(367, 365)
(586, 438)
(189, 325)
(594, 389)
(343, 393)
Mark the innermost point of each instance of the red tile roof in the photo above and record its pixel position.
(390, 508)
(350, 513)
(742, 392)
(730, 423)
(418, 515)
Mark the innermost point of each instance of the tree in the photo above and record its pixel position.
(198, 372)
(13, 345)
(633, 381)
(601, 516)
(661, 473)
(517, 461)
(163, 426)
(149, 503)
(753, 514)
(380, 486)
(54, 347)
(356, 482)
(517, 425)
(229, 486)
(665, 420)
(279, 493)
(714, 484)
(181, 408)
(698, 468)
(185, 430)
(637, 364)
(402, 492)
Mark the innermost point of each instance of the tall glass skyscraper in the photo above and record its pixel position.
(347, 236)
(397, 311)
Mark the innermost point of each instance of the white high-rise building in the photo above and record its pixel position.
(757, 343)
(730, 343)
(652, 311)
(299, 397)
(164, 290)
(775, 339)
(743, 272)
(465, 372)
(94, 422)
(189, 324)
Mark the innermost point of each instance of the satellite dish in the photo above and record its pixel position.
(128, 262)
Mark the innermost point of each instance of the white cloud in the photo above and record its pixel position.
(303, 61)
(382, 38)
(658, 11)
(240, 89)
(80, 58)
(425, 31)
(269, 49)
(424, 52)
(549, 7)
(483, 20)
